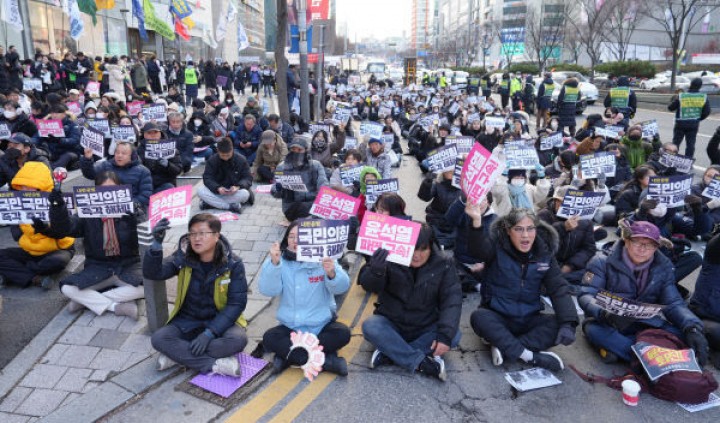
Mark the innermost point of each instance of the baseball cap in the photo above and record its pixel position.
(268, 137)
(21, 138)
(645, 230)
(150, 126)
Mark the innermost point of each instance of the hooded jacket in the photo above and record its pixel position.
(313, 176)
(442, 194)
(271, 159)
(513, 288)
(226, 281)
(37, 175)
(134, 174)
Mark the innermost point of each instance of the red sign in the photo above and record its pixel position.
(331, 204)
(398, 236)
(318, 9)
(313, 57)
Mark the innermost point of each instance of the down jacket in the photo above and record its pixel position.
(134, 174)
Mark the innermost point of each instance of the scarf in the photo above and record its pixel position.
(519, 198)
(641, 271)
(110, 240)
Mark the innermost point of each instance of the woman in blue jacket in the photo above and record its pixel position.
(307, 304)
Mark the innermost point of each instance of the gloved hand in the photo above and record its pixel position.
(39, 226)
(713, 204)
(51, 136)
(55, 198)
(618, 322)
(696, 340)
(378, 261)
(159, 230)
(647, 205)
(163, 162)
(278, 187)
(695, 204)
(601, 179)
(199, 345)
(540, 170)
(566, 335)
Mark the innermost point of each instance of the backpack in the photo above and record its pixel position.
(679, 386)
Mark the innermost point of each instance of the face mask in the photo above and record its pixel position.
(553, 125)
(518, 182)
(296, 159)
(659, 211)
(197, 122)
(634, 137)
(100, 115)
(90, 115)
(228, 101)
(9, 114)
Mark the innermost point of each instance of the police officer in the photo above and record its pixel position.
(690, 108)
(544, 101)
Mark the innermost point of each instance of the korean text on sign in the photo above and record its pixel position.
(321, 238)
(520, 157)
(479, 173)
(22, 206)
(103, 201)
(291, 180)
(94, 140)
(580, 203)
(52, 127)
(173, 204)
(670, 190)
(160, 149)
(155, 112)
(331, 204)
(349, 174)
(463, 144)
(592, 165)
(712, 191)
(442, 158)
(373, 189)
(398, 236)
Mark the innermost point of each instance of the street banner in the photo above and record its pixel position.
(103, 201)
(398, 236)
(442, 158)
(160, 149)
(291, 180)
(520, 157)
(373, 189)
(318, 239)
(372, 129)
(583, 204)
(659, 361)
(334, 205)
(123, 133)
(135, 107)
(625, 307)
(18, 207)
(649, 129)
(479, 173)
(30, 84)
(154, 112)
(712, 191)
(52, 127)
(5, 132)
(464, 144)
(691, 105)
(74, 107)
(343, 112)
(350, 174)
(93, 88)
(681, 164)
(495, 122)
(670, 190)
(592, 165)
(100, 124)
(94, 140)
(317, 127)
(173, 204)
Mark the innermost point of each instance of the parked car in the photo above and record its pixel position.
(581, 105)
(711, 85)
(588, 89)
(397, 76)
(460, 79)
(681, 83)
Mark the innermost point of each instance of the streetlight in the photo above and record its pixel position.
(127, 30)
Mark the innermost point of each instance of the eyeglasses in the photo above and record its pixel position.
(519, 229)
(643, 246)
(199, 235)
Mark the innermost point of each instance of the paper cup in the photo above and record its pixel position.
(631, 392)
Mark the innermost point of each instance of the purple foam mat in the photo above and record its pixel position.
(226, 385)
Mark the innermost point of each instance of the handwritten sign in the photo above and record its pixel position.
(334, 205)
(398, 236)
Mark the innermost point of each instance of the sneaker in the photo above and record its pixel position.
(434, 367)
(164, 362)
(608, 357)
(44, 282)
(497, 357)
(74, 307)
(547, 360)
(379, 359)
(251, 198)
(204, 205)
(228, 366)
(128, 309)
(335, 364)
(235, 208)
(279, 364)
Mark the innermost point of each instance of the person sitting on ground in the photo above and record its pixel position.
(183, 137)
(441, 194)
(64, 151)
(37, 255)
(20, 150)
(270, 154)
(285, 130)
(323, 147)
(417, 314)
(705, 302)
(227, 181)
(636, 270)
(203, 137)
(164, 171)
(17, 121)
(246, 138)
(206, 329)
(352, 158)
(378, 158)
(297, 204)
(712, 204)
(112, 258)
(307, 304)
(628, 199)
(516, 192)
(520, 265)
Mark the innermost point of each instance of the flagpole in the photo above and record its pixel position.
(302, 29)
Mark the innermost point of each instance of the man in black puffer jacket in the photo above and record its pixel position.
(164, 171)
(226, 181)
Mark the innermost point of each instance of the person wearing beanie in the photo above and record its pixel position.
(690, 108)
(270, 154)
(377, 158)
(39, 254)
(638, 150)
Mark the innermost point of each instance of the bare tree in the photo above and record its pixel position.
(281, 61)
(573, 44)
(544, 33)
(507, 50)
(622, 20)
(677, 18)
(588, 19)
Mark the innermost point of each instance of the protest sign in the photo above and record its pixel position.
(103, 201)
(649, 129)
(173, 204)
(5, 132)
(606, 132)
(529, 379)
(135, 107)
(398, 236)
(18, 207)
(93, 88)
(123, 133)
(317, 127)
(580, 203)
(457, 173)
(388, 140)
(463, 144)
(94, 140)
(154, 112)
(555, 140)
(495, 122)
(343, 112)
(318, 239)
(331, 204)
(592, 165)
(442, 158)
(712, 191)
(30, 84)
(160, 149)
(373, 189)
(520, 157)
(350, 174)
(371, 129)
(350, 143)
(52, 127)
(659, 361)
(454, 107)
(625, 307)
(681, 164)
(473, 118)
(384, 111)
(221, 81)
(670, 190)
(101, 124)
(479, 173)
(74, 108)
(290, 180)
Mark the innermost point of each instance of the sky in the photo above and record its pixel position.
(376, 18)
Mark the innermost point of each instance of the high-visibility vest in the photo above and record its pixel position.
(190, 76)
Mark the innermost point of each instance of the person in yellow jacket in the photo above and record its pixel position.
(37, 256)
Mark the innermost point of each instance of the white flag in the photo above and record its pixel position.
(242, 39)
(208, 38)
(223, 22)
(11, 14)
(77, 27)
